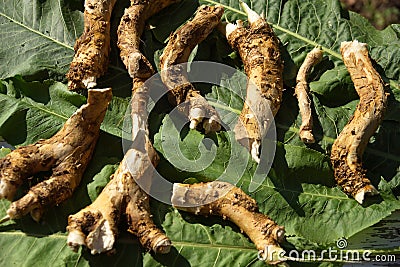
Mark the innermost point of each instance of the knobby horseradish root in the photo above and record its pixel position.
(93, 47)
(229, 202)
(258, 47)
(302, 94)
(348, 148)
(96, 226)
(129, 32)
(180, 45)
(67, 154)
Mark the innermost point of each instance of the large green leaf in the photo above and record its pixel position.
(299, 192)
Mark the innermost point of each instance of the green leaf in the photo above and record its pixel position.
(38, 36)
(299, 191)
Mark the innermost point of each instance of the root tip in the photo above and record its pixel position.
(5, 219)
(368, 190)
(193, 124)
(280, 235)
(252, 16)
(307, 137)
(163, 246)
(75, 239)
(7, 190)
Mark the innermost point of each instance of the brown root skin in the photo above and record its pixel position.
(348, 148)
(180, 45)
(229, 202)
(67, 154)
(96, 225)
(142, 160)
(129, 32)
(258, 47)
(302, 94)
(93, 46)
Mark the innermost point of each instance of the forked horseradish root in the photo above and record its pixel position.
(180, 45)
(66, 154)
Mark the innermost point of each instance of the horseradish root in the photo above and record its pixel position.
(142, 159)
(229, 202)
(302, 91)
(258, 47)
(67, 154)
(129, 32)
(348, 148)
(96, 226)
(180, 45)
(93, 47)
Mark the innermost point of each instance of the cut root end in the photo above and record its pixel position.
(307, 136)
(90, 82)
(368, 190)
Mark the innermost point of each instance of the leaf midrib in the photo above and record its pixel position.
(36, 31)
(276, 26)
(31, 106)
(51, 39)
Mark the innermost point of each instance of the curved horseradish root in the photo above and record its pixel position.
(229, 202)
(302, 91)
(258, 47)
(93, 47)
(180, 45)
(350, 145)
(67, 154)
(129, 32)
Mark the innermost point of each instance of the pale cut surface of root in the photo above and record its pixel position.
(67, 154)
(231, 203)
(302, 93)
(348, 148)
(181, 43)
(129, 31)
(93, 46)
(258, 47)
(96, 226)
